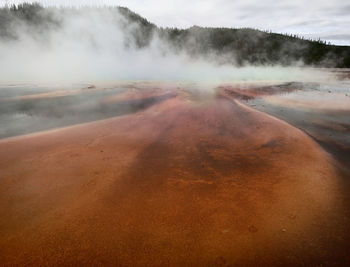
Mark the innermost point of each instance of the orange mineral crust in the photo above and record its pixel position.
(206, 182)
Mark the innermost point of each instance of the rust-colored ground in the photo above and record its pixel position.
(184, 182)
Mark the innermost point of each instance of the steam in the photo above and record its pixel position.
(93, 45)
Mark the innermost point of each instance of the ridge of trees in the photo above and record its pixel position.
(237, 46)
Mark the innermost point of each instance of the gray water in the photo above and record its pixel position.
(20, 115)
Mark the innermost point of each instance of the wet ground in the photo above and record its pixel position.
(240, 175)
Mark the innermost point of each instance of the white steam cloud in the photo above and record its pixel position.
(92, 45)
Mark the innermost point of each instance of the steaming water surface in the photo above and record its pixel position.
(321, 109)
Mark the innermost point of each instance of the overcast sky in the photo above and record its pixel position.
(329, 20)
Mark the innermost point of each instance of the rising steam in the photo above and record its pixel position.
(97, 44)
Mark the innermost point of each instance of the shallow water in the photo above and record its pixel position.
(321, 110)
(25, 110)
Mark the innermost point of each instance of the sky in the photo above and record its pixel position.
(328, 20)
